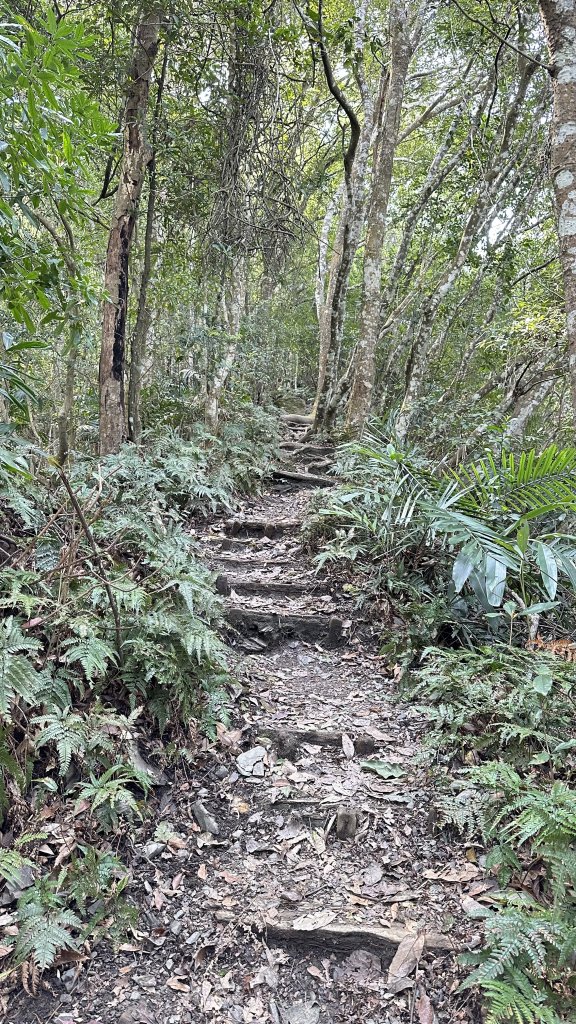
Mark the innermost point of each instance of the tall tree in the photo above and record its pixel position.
(403, 40)
(136, 155)
(559, 17)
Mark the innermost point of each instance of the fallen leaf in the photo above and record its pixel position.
(309, 922)
(178, 983)
(383, 768)
(463, 874)
(372, 874)
(404, 961)
(202, 872)
(347, 746)
(315, 972)
(424, 1009)
(228, 877)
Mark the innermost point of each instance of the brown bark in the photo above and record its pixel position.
(348, 232)
(136, 156)
(140, 337)
(559, 17)
(402, 48)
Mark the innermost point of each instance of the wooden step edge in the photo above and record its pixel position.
(226, 584)
(287, 739)
(266, 526)
(278, 624)
(345, 936)
(309, 479)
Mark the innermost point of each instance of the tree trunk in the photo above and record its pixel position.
(525, 407)
(66, 426)
(365, 361)
(559, 17)
(135, 157)
(233, 302)
(140, 337)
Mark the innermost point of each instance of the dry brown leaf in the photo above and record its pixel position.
(228, 877)
(348, 746)
(424, 1009)
(404, 961)
(315, 972)
(309, 922)
(202, 872)
(178, 983)
(463, 874)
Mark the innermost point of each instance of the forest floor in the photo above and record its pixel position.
(293, 873)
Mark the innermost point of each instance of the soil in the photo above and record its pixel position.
(296, 857)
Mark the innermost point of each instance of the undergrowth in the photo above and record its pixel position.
(108, 628)
(480, 561)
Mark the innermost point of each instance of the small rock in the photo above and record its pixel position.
(221, 772)
(176, 927)
(224, 915)
(300, 1013)
(251, 762)
(205, 820)
(346, 822)
(146, 981)
(151, 850)
(21, 879)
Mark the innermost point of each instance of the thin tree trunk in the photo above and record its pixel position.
(324, 292)
(402, 48)
(233, 303)
(66, 426)
(140, 337)
(559, 17)
(135, 158)
(525, 407)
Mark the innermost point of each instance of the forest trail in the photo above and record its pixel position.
(282, 872)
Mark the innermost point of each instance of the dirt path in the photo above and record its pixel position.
(281, 875)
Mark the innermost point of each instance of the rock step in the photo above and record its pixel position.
(226, 584)
(238, 562)
(274, 628)
(304, 479)
(346, 936)
(268, 528)
(287, 739)
(303, 449)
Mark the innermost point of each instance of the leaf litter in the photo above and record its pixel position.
(198, 951)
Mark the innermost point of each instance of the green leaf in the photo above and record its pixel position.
(383, 768)
(543, 682)
(461, 571)
(548, 566)
(495, 580)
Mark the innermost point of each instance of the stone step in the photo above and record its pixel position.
(265, 527)
(286, 739)
(348, 935)
(226, 584)
(274, 628)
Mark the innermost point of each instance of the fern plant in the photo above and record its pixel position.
(46, 925)
(523, 961)
(18, 676)
(109, 797)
